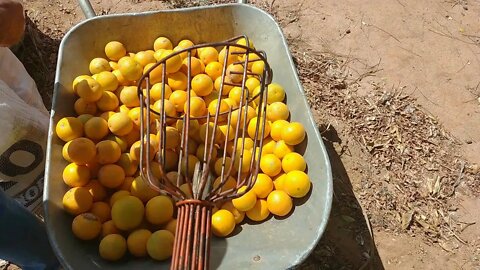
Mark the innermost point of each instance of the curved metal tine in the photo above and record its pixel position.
(259, 135)
(163, 183)
(146, 157)
(243, 101)
(142, 133)
(181, 157)
(245, 95)
(196, 190)
(261, 114)
(163, 125)
(145, 171)
(159, 185)
(205, 142)
(186, 124)
(227, 50)
(206, 170)
(222, 85)
(222, 173)
(237, 128)
(240, 180)
(163, 120)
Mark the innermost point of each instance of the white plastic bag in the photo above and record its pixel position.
(23, 133)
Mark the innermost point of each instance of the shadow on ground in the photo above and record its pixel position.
(38, 53)
(347, 242)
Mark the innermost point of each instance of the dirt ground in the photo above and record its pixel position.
(416, 62)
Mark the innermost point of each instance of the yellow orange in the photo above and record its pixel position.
(223, 223)
(77, 200)
(137, 242)
(237, 214)
(293, 133)
(152, 213)
(235, 72)
(270, 165)
(129, 96)
(246, 201)
(259, 212)
(142, 190)
(128, 164)
(96, 189)
(101, 210)
(115, 50)
(86, 226)
(108, 101)
(160, 245)
(98, 65)
(162, 43)
(263, 185)
(108, 152)
(109, 228)
(81, 150)
(297, 184)
(69, 128)
(112, 247)
(202, 84)
(276, 129)
(120, 124)
(81, 106)
(196, 66)
(177, 81)
(127, 212)
(76, 175)
(130, 69)
(107, 80)
(279, 203)
(96, 128)
(208, 54)
(277, 111)
(111, 175)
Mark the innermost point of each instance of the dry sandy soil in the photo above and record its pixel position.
(370, 69)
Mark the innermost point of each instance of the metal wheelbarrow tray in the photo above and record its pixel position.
(274, 244)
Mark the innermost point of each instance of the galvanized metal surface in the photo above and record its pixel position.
(274, 244)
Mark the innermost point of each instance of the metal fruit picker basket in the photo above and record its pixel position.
(278, 243)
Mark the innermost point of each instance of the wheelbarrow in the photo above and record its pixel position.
(274, 244)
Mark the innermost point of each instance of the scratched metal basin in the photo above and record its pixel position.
(274, 244)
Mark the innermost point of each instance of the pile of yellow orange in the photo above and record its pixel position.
(108, 198)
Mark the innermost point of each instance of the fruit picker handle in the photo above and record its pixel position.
(87, 8)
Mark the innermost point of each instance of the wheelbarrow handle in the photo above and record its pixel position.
(88, 11)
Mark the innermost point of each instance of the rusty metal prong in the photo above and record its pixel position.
(231, 84)
(146, 136)
(244, 98)
(227, 136)
(142, 133)
(161, 128)
(206, 157)
(186, 122)
(163, 120)
(189, 235)
(201, 247)
(250, 61)
(222, 173)
(183, 157)
(196, 230)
